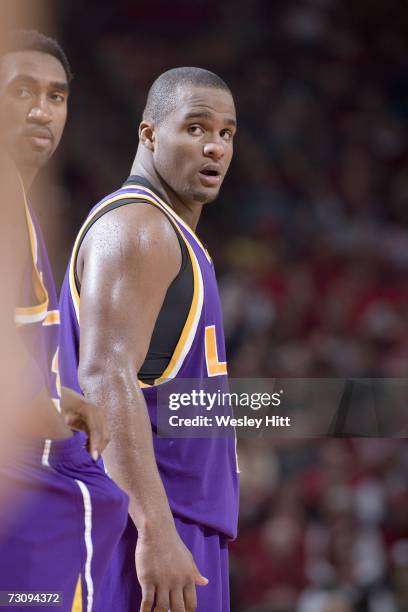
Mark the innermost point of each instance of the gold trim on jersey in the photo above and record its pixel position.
(190, 327)
(77, 602)
(37, 312)
(52, 318)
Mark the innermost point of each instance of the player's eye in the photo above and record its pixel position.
(195, 130)
(21, 92)
(226, 134)
(57, 97)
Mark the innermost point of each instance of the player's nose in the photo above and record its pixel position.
(40, 112)
(215, 150)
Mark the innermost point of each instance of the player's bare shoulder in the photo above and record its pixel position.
(137, 234)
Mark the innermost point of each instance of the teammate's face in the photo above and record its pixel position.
(33, 106)
(194, 144)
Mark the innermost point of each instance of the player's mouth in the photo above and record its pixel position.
(210, 175)
(40, 138)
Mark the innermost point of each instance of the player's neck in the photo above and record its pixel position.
(27, 176)
(189, 212)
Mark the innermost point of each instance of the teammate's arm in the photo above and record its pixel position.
(126, 264)
(14, 258)
(22, 380)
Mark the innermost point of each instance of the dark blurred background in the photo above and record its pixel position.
(310, 233)
(310, 240)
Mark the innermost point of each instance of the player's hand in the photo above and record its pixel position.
(82, 415)
(167, 573)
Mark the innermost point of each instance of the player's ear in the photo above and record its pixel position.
(147, 134)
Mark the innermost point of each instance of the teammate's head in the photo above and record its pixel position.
(34, 86)
(188, 125)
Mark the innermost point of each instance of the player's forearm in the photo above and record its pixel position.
(129, 455)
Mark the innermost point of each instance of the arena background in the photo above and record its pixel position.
(310, 240)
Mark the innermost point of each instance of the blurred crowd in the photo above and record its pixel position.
(323, 527)
(315, 277)
(310, 234)
(310, 241)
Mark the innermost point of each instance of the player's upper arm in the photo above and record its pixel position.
(15, 241)
(19, 369)
(128, 259)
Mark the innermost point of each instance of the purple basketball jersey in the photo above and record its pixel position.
(65, 515)
(199, 474)
(38, 317)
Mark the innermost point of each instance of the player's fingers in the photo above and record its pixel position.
(190, 598)
(95, 445)
(79, 418)
(78, 424)
(177, 601)
(162, 600)
(94, 436)
(103, 429)
(98, 436)
(106, 433)
(71, 419)
(199, 578)
(148, 592)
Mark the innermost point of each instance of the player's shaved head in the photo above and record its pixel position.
(164, 94)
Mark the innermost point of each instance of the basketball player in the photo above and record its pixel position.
(67, 515)
(140, 302)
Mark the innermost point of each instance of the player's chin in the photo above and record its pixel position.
(206, 196)
(37, 159)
